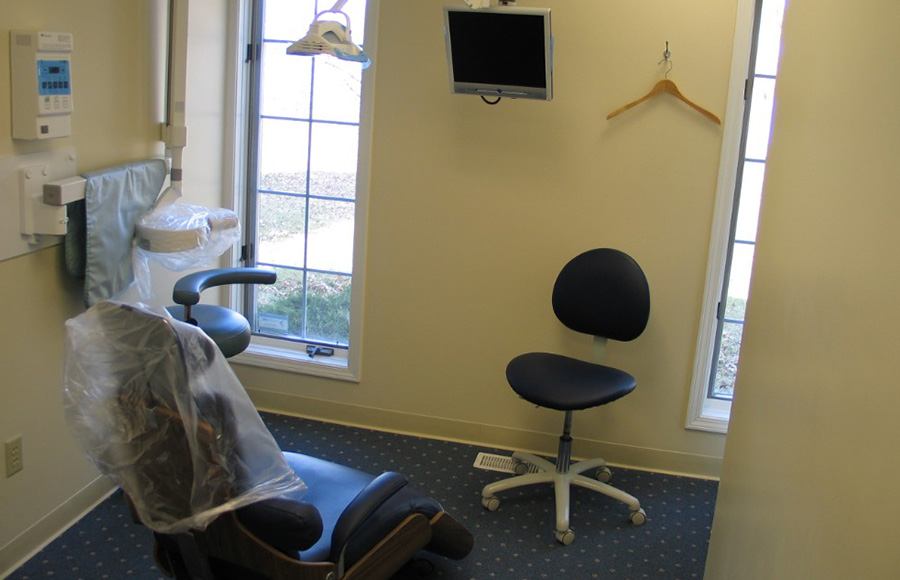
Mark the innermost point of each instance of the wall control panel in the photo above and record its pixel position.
(41, 75)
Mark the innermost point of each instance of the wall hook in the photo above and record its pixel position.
(667, 58)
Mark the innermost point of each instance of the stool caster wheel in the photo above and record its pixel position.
(491, 503)
(638, 517)
(565, 538)
(603, 475)
(520, 467)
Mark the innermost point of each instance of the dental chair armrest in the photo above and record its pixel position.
(287, 525)
(354, 516)
(187, 289)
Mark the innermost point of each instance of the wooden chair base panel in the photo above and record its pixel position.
(392, 552)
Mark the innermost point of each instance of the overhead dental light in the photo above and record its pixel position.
(330, 37)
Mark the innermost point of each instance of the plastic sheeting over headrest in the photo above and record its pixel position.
(180, 235)
(156, 407)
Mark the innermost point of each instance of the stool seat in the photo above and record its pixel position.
(576, 384)
(228, 329)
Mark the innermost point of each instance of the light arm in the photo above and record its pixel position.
(338, 6)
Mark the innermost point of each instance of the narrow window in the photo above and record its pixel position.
(303, 187)
(728, 282)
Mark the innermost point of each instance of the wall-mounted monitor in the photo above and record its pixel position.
(505, 51)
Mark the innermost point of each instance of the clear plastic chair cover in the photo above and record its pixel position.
(156, 408)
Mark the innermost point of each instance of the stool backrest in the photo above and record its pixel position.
(603, 292)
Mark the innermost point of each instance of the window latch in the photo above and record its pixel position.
(312, 350)
(720, 311)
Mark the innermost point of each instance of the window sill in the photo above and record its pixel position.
(294, 361)
(713, 417)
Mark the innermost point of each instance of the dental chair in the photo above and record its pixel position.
(228, 329)
(156, 407)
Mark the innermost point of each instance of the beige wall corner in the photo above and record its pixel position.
(809, 482)
(115, 121)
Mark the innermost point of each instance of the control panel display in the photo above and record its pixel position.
(53, 77)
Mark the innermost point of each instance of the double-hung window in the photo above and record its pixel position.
(745, 148)
(304, 203)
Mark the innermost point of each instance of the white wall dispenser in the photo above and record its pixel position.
(41, 78)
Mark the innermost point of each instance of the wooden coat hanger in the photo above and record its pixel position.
(666, 86)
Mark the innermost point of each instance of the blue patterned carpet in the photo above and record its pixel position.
(515, 542)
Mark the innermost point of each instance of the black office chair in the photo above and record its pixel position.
(157, 409)
(228, 329)
(602, 292)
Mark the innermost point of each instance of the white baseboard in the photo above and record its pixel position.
(52, 525)
(643, 458)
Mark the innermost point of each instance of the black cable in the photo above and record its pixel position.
(490, 102)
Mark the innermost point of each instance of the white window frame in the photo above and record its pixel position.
(267, 352)
(704, 413)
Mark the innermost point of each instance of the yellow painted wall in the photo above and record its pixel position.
(117, 89)
(809, 483)
(474, 209)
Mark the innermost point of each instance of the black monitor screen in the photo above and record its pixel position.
(498, 49)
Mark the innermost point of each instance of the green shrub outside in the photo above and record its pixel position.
(729, 349)
(280, 216)
(328, 305)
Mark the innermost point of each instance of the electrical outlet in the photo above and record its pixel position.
(14, 462)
